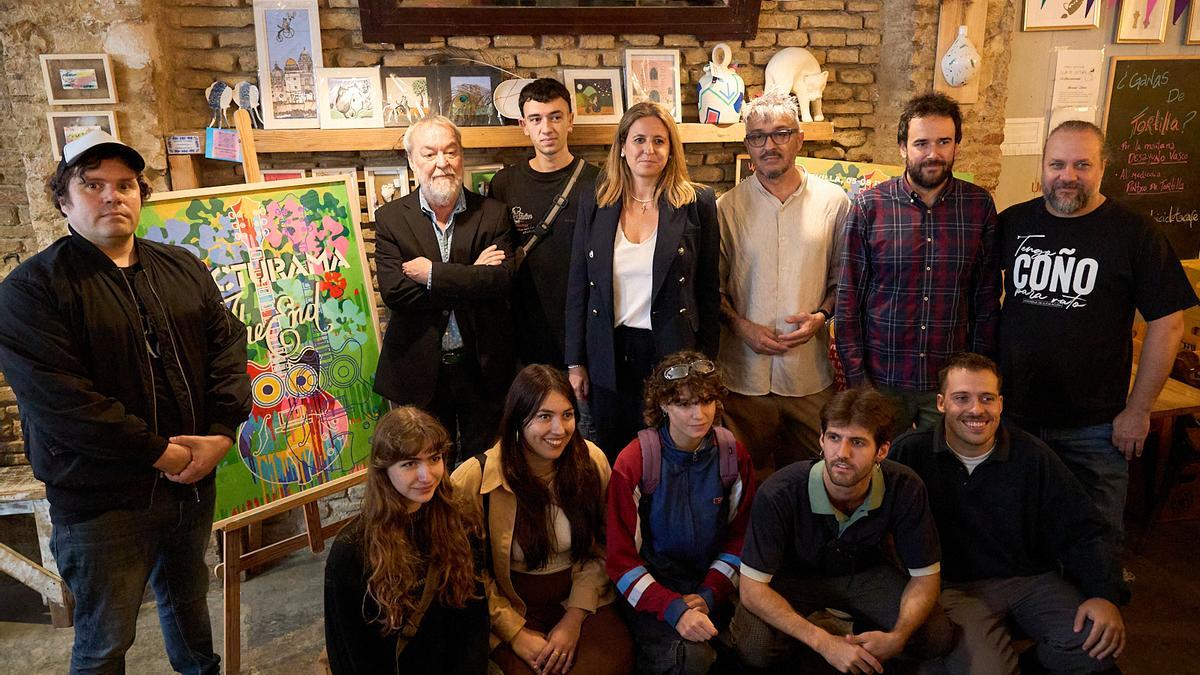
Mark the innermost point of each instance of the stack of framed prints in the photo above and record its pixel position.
(73, 80)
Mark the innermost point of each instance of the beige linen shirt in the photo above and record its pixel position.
(779, 259)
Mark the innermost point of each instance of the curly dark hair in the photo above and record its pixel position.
(930, 105)
(660, 391)
(861, 406)
(59, 184)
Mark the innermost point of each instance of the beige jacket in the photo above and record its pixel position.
(590, 587)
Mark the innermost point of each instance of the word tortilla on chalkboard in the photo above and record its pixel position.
(1152, 127)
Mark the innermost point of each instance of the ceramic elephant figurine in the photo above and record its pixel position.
(794, 70)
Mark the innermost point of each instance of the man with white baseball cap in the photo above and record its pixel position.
(130, 375)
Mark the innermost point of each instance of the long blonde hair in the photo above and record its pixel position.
(616, 179)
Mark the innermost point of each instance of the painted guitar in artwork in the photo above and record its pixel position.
(296, 429)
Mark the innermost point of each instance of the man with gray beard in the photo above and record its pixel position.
(1077, 265)
(443, 257)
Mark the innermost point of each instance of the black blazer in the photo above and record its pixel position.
(478, 295)
(685, 305)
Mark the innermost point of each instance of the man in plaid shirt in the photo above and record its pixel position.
(920, 275)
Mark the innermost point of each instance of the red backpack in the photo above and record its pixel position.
(652, 458)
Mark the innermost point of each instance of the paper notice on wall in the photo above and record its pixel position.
(1078, 74)
(1022, 136)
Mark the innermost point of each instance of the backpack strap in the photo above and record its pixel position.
(727, 447)
(651, 460)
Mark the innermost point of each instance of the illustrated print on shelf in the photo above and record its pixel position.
(794, 70)
(960, 65)
(722, 90)
(220, 96)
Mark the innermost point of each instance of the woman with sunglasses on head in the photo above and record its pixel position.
(643, 280)
(541, 492)
(678, 505)
(403, 591)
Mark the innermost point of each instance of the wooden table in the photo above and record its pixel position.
(1175, 400)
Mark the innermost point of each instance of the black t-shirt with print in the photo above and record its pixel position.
(1071, 286)
(540, 288)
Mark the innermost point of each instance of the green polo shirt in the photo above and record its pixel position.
(818, 498)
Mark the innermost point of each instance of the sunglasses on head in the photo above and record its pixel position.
(700, 367)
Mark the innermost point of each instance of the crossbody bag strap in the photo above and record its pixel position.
(543, 229)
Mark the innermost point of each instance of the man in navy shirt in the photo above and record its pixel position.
(817, 531)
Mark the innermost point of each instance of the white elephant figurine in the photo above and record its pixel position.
(794, 70)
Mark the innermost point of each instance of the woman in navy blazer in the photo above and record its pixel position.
(643, 280)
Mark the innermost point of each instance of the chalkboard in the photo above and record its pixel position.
(1152, 125)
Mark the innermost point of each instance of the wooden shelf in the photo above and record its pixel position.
(351, 140)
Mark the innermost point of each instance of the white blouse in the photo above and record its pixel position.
(633, 280)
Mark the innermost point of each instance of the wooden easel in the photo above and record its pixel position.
(239, 557)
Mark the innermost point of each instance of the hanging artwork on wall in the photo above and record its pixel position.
(1193, 26)
(384, 184)
(1143, 21)
(66, 127)
(466, 92)
(596, 93)
(478, 179)
(1061, 14)
(653, 75)
(78, 79)
(408, 95)
(272, 175)
(288, 37)
(349, 98)
(289, 260)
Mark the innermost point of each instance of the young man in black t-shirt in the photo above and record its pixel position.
(1077, 265)
(817, 540)
(530, 188)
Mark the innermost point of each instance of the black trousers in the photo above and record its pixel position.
(617, 415)
(470, 414)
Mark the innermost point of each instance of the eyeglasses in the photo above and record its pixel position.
(780, 136)
(701, 367)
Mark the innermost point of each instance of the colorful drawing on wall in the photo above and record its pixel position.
(349, 98)
(407, 96)
(78, 79)
(289, 49)
(479, 178)
(290, 263)
(597, 93)
(1061, 14)
(467, 93)
(66, 127)
(653, 75)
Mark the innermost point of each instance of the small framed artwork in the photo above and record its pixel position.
(653, 75)
(478, 179)
(384, 184)
(1143, 21)
(742, 168)
(408, 95)
(1193, 27)
(465, 94)
(283, 174)
(288, 38)
(66, 127)
(596, 93)
(349, 98)
(350, 171)
(1069, 15)
(78, 79)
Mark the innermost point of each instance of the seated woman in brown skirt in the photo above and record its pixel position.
(541, 492)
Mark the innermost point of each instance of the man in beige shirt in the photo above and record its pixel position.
(780, 246)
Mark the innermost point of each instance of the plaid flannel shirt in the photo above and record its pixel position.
(919, 283)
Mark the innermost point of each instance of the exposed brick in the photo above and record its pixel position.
(557, 41)
(793, 38)
(242, 39)
(536, 59)
(209, 60)
(845, 122)
(612, 58)
(856, 76)
(513, 41)
(859, 155)
(819, 38)
(398, 59)
(763, 39)
(217, 18)
(680, 41)
(783, 21)
(812, 5)
(868, 55)
(190, 40)
(469, 42)
(357, 58)
(831, 20)
(606, 41)
(837, 92)
(864, 6)
(209, 3)
(344, 19)
(862, 37)
(829, 152)
(637, 40)
(707, 173)
(576, 57)
(842, 56)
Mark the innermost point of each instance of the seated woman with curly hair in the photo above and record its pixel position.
(403, 591)
(678, 505)
(541, 490)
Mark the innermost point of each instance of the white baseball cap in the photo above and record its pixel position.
(98, 138)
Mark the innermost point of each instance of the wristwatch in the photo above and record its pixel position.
(822, 310)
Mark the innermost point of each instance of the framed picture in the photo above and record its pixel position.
(478, 179)
(408, 95)
(384, 184)
(1193, 28)
(653, 75)
(350, 171)
(66, 127)
(743, 167)
(288, 38)
(597, 94)
(349, 98)
(283, 174)
(78, 79)
(1143, 21)
(465, 95)
(1068, 15)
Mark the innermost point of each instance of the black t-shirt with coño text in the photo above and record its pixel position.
(1071, 286)
(540, 288)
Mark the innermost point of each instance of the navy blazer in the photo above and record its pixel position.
(685, 303)
(478, 294)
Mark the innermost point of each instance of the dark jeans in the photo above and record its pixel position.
(470, 415)
(617, 415)
(1100, 467)
(913, 409)
(106, 562)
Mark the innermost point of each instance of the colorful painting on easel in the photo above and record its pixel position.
(290, 263)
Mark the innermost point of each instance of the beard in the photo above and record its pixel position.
(1064, 203)
(772, 175)
(442, 190)
(916, 172)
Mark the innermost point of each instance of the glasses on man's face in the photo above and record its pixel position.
(678, 372)
(780, 136)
